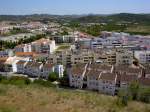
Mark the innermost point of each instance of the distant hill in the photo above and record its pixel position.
(127, 17)
(123, 22)
(122, 17)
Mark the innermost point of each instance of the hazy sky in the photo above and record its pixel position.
(73, 6)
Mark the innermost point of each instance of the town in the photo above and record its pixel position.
(105, 63)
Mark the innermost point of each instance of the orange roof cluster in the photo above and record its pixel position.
(3, 60)
(42, 40)
(26, 54)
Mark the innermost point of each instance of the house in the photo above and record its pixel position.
(101, 67)
(23, 48)
(124, 57)
(107, 83)
(76, 75)
(111, 57)
(36, 69)
(93, 79)
(20, 66)
(130, 70)
(28, 69)
(43, 46)
(142, 56)
(46, 70)
(26, 54)
(38, 46)
(6, 53)
(11, 63)
(124, 80)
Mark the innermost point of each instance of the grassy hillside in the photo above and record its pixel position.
(122, 17)
(33, 98)
(124, 22)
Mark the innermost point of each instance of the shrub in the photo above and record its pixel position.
(43, 83)
(134, 89)
(53, 76)
(144, 95)
(64, 81)
(123, 98)
(27, 81)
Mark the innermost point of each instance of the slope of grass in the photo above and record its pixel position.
(35, 98)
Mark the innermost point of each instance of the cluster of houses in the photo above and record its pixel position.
(106, 79)
(73, 56)
(40, 70)
(39, 46)
(117, 40)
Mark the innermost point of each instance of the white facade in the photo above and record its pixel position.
(39, 46)
(36, 69)
(23, 48)
(142, 56)
(106, 85)
(21, 66)
(124, 57)
(76, 77)
(93, 80)
(60, 70)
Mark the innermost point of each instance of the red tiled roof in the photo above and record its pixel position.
(20, 62)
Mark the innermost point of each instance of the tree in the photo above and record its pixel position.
(64, 81)
(53, 77)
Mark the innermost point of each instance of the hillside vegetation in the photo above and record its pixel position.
(36, 98)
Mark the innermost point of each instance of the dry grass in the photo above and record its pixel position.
(39, 99)
(139, 29)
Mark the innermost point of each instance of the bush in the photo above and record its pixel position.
(134, 89)
(53, 77)
(27, 81)
(123, 98)
(144, 95)
(64, 81)
(1, 78)
(43, 83)
(15, 80)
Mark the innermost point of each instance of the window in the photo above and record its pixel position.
(103, 88)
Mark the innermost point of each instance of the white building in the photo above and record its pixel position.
(93, 79)
(43, 46)
(142, 56)
(107, 83)
(76, 75)
(28, 69)
(60, 70)
(124, 80)
(20, 66)
(46, 70)
(23, 48)
(39, 46)
(12, 62)
(36, 69)
(124, 57)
